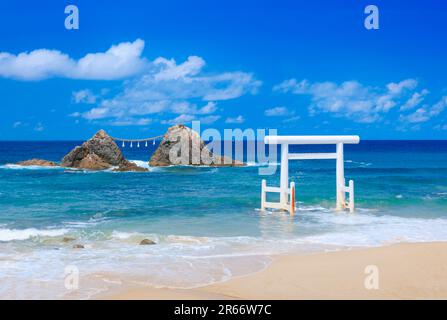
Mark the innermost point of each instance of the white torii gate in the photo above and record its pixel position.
(287, 194)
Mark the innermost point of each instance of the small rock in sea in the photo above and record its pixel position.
(127, 166)
(68, 239)
(37, 162)
(78, 246)
(146, 242)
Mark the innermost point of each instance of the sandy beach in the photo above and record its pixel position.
(404, 271)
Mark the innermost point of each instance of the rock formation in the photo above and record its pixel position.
(146, 242)
(130, 166)
(37, 162)
(183, 146)
(98, 153)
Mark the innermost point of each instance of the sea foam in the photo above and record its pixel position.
(24, 234)
(17, 167)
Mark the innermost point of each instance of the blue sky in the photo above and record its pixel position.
(303, 67)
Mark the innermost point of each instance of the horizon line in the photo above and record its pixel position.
(78, 140)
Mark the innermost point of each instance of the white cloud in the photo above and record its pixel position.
(158, 86)
(397, 88)
(114, 109)
(17, 124)
(277, 112)
(218, 87)
(75, 114)
(291, 119)
(287, 115)
(292, 85)
(414, 100)
(186, 107)
(238, 119)
(171, 71)
(350, 99)
(420, 115)
(168, 87)
(426, 112)
(36, 65)
(229, 85)
(131, 122)
(118, 62)
(209, 119)
(181, 119)
(185, 118)
(39, 127)
(84, 96)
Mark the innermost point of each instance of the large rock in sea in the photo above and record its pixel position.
(183, 146)
(37, 162)
(99, 153)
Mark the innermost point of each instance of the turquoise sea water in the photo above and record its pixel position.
(205, 220)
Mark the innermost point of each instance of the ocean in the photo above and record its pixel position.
(206, 220)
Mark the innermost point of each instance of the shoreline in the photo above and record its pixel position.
(405, 271)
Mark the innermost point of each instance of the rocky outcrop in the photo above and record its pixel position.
(146, 242)
(129, 166)
(222, 161)
(183, 146)
(98, 153)
(82, 159)
(37, 162)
